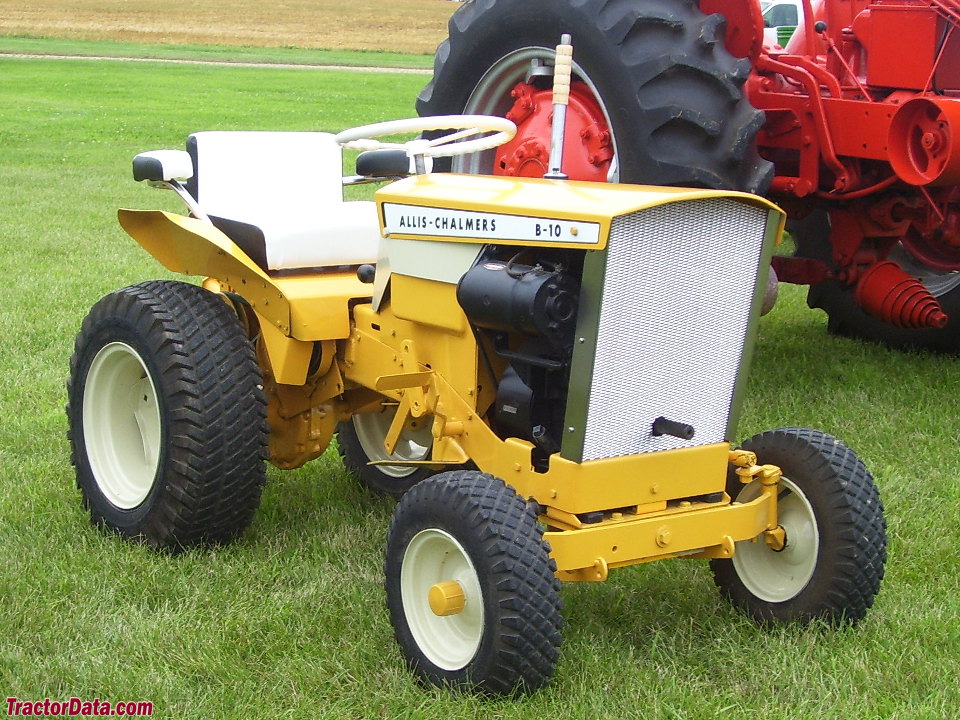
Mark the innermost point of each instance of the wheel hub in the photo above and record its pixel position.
(933, 237)
(587, 147)
(414, 443)
(776, 539)
(438, 575)
(446, 598)
(778, 574)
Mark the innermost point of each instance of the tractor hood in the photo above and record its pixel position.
(672, 284)
(561, 213)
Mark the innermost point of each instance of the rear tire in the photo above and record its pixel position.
(672, 94)
(167, 416)
(500, 633)
(846, 318)
(834, 558)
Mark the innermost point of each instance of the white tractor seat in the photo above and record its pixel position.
(279, 196)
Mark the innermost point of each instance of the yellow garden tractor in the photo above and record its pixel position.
(547, 373)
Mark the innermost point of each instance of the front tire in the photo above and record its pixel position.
(835, 551)
(167, 416)
(668, 89)
(470, 586)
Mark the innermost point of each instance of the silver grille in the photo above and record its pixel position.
(675, 310)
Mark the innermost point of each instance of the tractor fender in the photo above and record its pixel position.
(294, 312)
(190, 246)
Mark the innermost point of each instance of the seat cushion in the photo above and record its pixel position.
(344, 234)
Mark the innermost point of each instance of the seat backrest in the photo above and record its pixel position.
(237, 172)
(279, 197)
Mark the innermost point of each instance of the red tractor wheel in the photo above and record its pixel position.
(656, 97)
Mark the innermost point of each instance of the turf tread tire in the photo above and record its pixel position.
(211, 468)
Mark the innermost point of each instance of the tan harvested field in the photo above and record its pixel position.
(411, 26)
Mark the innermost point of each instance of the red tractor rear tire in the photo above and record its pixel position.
(670, 93)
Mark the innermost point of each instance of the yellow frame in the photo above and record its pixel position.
(418, 351)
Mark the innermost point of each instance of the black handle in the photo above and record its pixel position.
(662, 426)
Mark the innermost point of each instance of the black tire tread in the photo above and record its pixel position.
(852, 521)
(674, 93)
(213, 461)
(529, 610)
(847, 319)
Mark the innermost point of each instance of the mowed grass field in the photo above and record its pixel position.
(409, 26)
(290, 621)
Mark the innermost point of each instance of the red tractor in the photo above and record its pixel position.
(851, 128)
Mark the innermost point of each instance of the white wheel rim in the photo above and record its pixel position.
(450, 641)
(371, 429)
(121, 425)
(780, 576)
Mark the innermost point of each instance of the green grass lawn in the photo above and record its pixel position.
(290, 621)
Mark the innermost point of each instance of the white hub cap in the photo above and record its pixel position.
(121, 425)
(411, 445)
(779, 576)
(432, 558)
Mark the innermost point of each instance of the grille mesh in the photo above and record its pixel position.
(674, 314)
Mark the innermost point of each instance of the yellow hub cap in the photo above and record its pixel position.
(446, 598)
